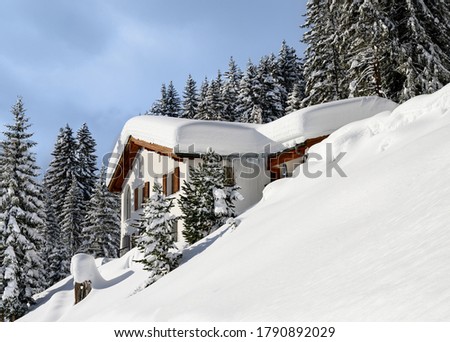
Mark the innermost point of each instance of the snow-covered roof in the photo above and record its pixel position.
(195, 136)
(323, 119)
(226, 138)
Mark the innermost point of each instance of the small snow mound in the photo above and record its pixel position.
(83, 268)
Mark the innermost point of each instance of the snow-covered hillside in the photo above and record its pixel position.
(374, 245)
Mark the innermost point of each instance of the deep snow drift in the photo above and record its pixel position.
(370, 246)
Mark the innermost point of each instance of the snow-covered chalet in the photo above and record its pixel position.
(163, 148)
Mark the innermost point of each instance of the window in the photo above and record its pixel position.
(229, 176)
(127, 203)
(284, 170)
(138, 192)
(126, 243)
(175, 231)
(171, 182)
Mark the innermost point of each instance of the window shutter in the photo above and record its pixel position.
(146, 190)
(136, 199)
(164, 184)
(229, 176)
(176, 180)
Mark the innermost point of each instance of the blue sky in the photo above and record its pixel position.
(102, 62)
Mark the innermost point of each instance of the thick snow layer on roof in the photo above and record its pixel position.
(323, 119)
(195, 136)
(225, 138)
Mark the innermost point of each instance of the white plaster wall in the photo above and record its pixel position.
(155, 166)
(250, 174)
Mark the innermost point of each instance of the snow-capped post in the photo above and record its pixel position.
(82, 290)
(85, 275)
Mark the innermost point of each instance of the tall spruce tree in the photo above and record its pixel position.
(58, 263)
(230, 91)
(190, 99)
(87, 161)
(215, 101)
(101, 229)
(423, 54)
(371, 49)
(62, 170)
(205, 189)
(21, 218)
(71, 219)
(156, 240)
(295, 99)
(159, 107)
(173, 102)
(203, 105)
(271, 91)
(249, 95)
(397, 49)
(290, 72)
(324, 62)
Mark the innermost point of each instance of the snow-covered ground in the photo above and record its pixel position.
(374, 245)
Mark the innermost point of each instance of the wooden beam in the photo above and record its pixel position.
(163, 150)
(123, 167)
(126, 160)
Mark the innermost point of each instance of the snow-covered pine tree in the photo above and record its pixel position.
(230, 91)
(290, 71)
(190, 99)
(423, 54)
(215, 101)
(2, 256)
(87, 161)
(370, 36)
(398, 49)
(159, 107)
(271, 91)
(198, 201)
(57, 255)
(211, 106)
(295, 98)
(173, 102)
(203, 105)
(324, 62)
(101, 229)
(156, 240)
(249, 95)
(63, 168)
(71, 219)
(2, 244)
(21, 218)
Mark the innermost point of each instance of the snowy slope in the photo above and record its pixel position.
(371, 246)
